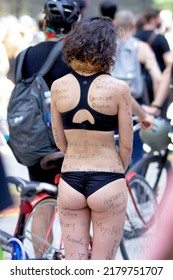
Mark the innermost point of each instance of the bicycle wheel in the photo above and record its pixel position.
(141, 219)
(42, 233)
(155, 169)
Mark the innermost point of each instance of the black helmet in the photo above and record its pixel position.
(61, 13)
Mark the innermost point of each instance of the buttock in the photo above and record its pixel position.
(88, 182)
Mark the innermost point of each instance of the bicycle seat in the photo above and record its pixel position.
(52, 160)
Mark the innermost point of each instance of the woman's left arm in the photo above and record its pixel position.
(56, 119)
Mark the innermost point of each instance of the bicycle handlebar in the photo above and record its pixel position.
(29, 188)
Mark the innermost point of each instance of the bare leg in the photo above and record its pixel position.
(75, 222)
(108, 209)
(40, 224)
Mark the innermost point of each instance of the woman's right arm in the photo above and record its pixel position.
(125, 124)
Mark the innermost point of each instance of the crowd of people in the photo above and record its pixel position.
(89, 104)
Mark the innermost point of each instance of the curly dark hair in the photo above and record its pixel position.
(91, 45)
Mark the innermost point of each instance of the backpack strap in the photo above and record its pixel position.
(51, 58)
(171, 84)
(46, 66)
(152, 38)
(18, 74)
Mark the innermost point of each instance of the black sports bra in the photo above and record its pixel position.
(102, 122)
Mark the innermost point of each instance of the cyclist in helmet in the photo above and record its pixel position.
(60, 15)
(58, 19)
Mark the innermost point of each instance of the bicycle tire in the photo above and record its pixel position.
(149, 167)
(35, 242)
(139, 230)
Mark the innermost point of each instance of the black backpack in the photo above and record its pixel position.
(30, 138)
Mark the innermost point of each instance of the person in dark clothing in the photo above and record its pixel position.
(82, 6)
(149, 33)
(5, 196)
(59, 17)
(108, 8)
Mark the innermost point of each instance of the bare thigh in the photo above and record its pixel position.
(74, 216)
(108, 209)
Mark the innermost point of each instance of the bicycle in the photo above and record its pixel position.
(35, 196)
(142, 215)
(29, 240)
(156, 164)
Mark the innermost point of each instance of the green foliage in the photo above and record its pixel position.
(164, 5)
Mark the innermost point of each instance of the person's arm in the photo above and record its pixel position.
(162, 94)
(146, 120)
(125, 125)
(5, 196)
(147, 57)
(56, 119)
(166, 51)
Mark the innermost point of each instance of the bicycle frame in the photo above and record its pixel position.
(163, 163)
(25, 211)
(13, 244)
(31, 194)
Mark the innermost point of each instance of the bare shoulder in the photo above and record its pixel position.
(145, 52)
(61, 80)
(123, 88)
(114, 84)
(142, 45)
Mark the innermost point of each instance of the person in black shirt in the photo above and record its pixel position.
(5, 196)
(59, 17)
(82, 6)
(108, 8)
(149, 33)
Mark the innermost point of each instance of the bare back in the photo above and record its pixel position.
(95, 150)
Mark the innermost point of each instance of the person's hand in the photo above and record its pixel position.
(152, 110)
(147, 122)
